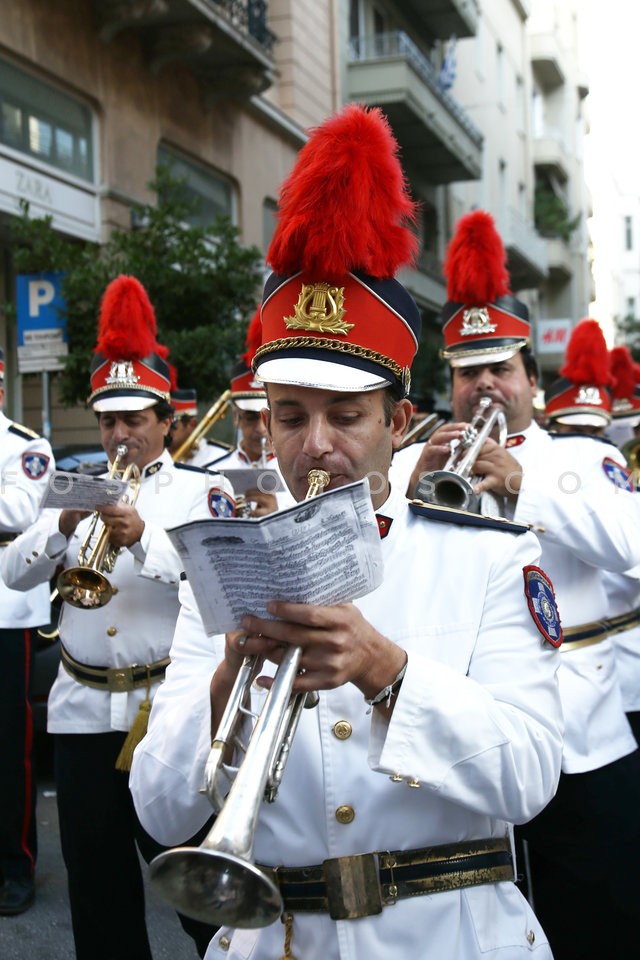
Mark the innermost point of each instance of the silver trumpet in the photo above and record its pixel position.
(218, 882)
(451, 486)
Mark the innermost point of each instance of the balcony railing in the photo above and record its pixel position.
(383, 46)
(248, 17)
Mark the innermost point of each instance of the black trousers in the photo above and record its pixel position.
(584, 852)
(18, 839)
(98, 830)
(100, 836)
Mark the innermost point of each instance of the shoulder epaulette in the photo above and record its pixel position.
(581, 436)
(190, 467)
(220, 443)
(216, 461)
(464, 518)
(24, 432)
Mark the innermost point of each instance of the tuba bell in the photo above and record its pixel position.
(85, 585)
(631, 451)
(451, 486)
(218, 882)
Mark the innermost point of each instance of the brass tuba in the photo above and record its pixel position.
(218, 881)
(451, 486)
(85, 585)
(215, 412)
(631, 451)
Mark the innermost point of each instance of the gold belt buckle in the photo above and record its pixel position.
(120, 679)
(353, 886)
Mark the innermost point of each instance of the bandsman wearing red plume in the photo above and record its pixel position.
(580, 399)
(575, 492)
(624, 429)
(185, 420)
(623, 589)
(438, 720)
(114, 656)
(253, 447)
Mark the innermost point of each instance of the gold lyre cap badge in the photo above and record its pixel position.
(320, 308)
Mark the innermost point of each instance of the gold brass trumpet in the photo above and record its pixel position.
(85, 585)
(218, 881)
(451, 486)
(215, 412)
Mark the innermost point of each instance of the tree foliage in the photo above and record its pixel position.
(628, 332)
(203, 283)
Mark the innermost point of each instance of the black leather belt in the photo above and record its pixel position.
(360, 886)
(114, 679)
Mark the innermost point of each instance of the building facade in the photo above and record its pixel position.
(94, 93)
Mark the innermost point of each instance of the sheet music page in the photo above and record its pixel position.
(325, 550)
(81, 491)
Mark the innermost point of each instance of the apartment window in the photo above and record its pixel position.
(520, 109)
(212, 192)
(39, 120)
(500, 78)
(628, 233)
(354, 19)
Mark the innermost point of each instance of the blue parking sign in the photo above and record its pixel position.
(42, 323)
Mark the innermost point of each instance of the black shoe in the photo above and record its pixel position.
(16, 896)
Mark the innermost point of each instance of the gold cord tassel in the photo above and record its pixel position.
(136, 733)
(287, 919)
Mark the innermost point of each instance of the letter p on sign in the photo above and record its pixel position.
(41, 294)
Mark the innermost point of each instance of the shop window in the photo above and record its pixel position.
(41, 121)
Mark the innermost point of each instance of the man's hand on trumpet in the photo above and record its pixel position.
(338, 646)
(435, 452)
(123, 523)
(501, 473)
(69, 520)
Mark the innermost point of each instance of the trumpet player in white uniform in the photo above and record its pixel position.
(576, 492)
(438, 722)
(113, 655)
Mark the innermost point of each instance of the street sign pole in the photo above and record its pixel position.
(46, 405)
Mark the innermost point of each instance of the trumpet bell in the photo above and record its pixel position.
(84, 587)
(447, 489)
(216, 887)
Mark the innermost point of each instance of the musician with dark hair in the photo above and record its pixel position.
(575, 490)
(438, 722)
(116, 623)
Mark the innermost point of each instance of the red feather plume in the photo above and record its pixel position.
(345, 205)
(475, 265)
(587, 358)
(253, 338)
(624, 372)
(127, 323)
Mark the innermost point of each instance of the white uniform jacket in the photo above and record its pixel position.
(585, 524)
(26, 462)
(477, 723)
(136, 625)
(623, 593)
(205, 452)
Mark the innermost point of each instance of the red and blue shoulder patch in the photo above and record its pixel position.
(541, 599)
(618, 474)
(221, 504)
(34, 465)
